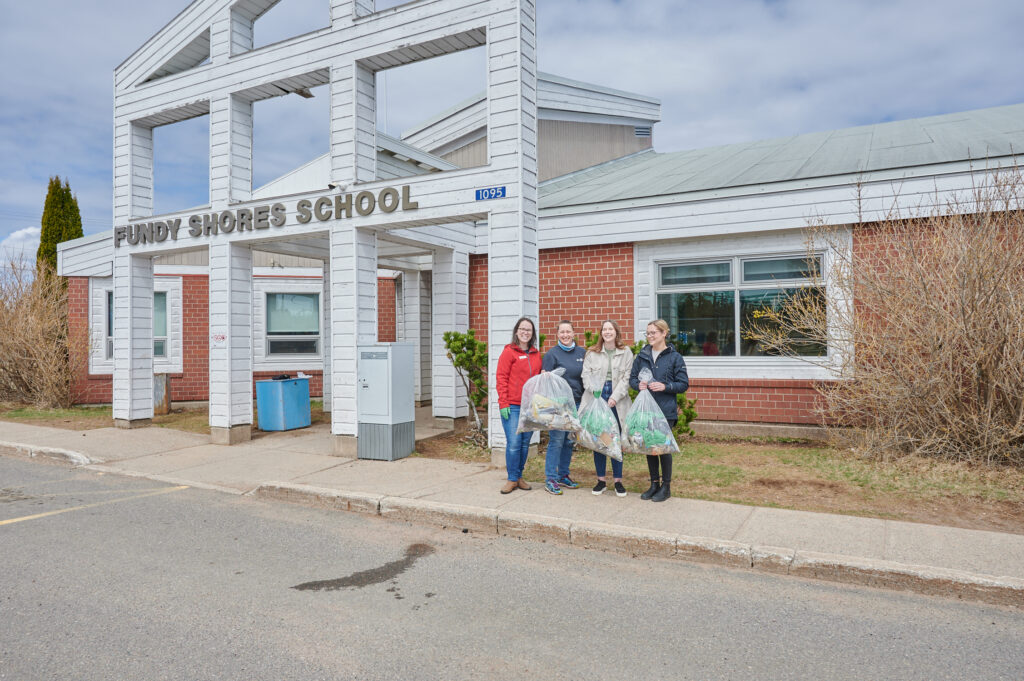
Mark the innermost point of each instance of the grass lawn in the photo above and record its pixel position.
(808, 476)
(191, 419)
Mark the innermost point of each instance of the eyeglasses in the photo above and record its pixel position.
(654, 333)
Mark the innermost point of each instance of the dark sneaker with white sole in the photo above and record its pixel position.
(599, 487)
(620, 491)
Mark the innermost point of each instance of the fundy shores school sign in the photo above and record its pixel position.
(325, 208)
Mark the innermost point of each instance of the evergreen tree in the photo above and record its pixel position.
(61, 221)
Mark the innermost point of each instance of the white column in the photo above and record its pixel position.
(133, 340)
(353, 124)
(325, 338)
(231, 413)
(411, 320)
(140, 177)
(450, 312)
(512, 243)
(353, 300)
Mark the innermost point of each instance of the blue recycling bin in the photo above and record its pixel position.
(283, 404)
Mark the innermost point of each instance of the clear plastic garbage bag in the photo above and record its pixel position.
(548, 404)
(647, 429)
(600, 429)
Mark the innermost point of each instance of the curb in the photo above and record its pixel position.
(55, 453)
(651, 543)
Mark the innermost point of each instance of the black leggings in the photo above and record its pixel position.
(660, 467)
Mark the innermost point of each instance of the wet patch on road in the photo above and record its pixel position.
(379, 575)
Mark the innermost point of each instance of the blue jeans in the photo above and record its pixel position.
(517, 445)
(600, 460)
(559, 454)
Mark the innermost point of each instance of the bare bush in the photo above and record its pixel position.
(38, 359)
(924, 318)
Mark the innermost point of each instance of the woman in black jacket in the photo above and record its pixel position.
(669, 379)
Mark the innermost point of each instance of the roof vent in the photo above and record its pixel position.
(642, 131)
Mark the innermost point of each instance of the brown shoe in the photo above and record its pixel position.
(523, 484)
(510, 486)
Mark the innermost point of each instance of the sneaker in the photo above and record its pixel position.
(568, 482)
(552, 487)
(620, 491)
(599, 487)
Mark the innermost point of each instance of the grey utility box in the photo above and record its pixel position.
(386, 401)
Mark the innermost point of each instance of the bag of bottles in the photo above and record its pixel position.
(548, 404)
(647, 429)
(600, 429)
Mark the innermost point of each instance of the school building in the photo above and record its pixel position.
(543, 196)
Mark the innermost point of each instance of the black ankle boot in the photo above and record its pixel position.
(655, 485)
(663, 493)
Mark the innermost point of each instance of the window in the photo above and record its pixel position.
(293, 323)
(709, 306)
(160, 324)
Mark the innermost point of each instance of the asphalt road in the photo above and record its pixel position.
(105, 577)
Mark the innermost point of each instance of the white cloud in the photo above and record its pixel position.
(20, 245)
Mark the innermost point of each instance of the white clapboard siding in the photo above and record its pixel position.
(133, 338)
(353, 301)
(449, 312)
(231, 341)
(87, 256)
(563, 94)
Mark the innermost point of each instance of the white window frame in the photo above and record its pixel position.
(649, 256)
(736, 285)
(101, 360)
(291, 284)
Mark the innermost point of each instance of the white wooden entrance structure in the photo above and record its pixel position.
(165, 81)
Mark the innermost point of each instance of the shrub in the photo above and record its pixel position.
(39, 361)
(469, 357)
(923, 322)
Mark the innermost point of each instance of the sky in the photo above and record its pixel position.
(725, 72)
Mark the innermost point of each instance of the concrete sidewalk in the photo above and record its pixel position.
(297, 466)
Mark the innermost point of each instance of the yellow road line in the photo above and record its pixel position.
(106, 491)
(98, 503)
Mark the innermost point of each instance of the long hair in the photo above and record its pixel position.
(533, 336)
(598, 345)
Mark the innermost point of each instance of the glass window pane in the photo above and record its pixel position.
(701, 322)
(292, 346)
(110, 313)
(754, 303)
(780, 268)
(159, 348)
(293, 313)
(703, 273)
(160, 314)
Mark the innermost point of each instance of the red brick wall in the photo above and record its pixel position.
(754, 400)
(586, 284)
(478, 296)
(387, 318)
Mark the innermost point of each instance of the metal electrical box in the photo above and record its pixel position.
(385, 401)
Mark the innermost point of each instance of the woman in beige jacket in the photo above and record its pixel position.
(606, 369)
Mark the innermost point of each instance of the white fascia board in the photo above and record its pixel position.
(582, 117)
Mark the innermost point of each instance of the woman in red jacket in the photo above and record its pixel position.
(519, 361)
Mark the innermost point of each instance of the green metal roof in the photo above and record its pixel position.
(977, 135)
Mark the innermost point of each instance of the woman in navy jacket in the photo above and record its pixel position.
(669, 379)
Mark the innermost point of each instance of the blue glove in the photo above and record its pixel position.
(505, 413)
